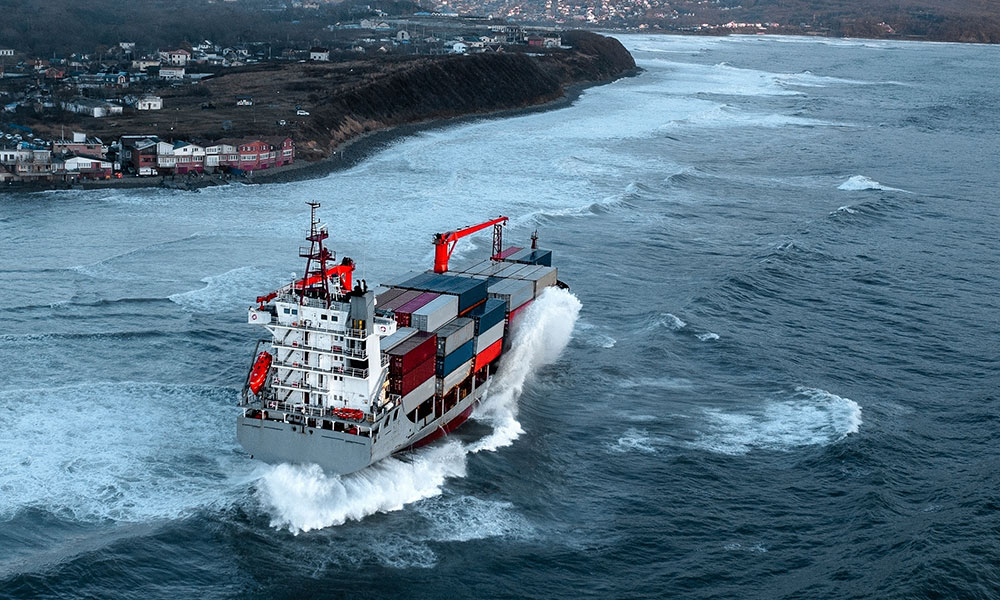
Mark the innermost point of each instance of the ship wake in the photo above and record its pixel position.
(302, 498)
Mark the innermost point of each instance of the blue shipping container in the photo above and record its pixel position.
(456, 359)
(488, 314)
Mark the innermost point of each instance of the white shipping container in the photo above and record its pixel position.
(515, 292)
(454, 378)
(401, 335)
(435, 313)
(487, 339)
(420, 393)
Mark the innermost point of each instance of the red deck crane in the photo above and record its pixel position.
(444, 243)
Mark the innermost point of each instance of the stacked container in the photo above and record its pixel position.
(470, 292)
(435, 313)
(488, 314)
(403, 312)
(411, 363)
(514, 292)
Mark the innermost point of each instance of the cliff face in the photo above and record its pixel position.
(419, 89)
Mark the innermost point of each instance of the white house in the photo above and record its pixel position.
(403, 36)
(321, 54)
(173, 73)
(6, 52)
(149, 103)
(177, 58)
(93, 108)
(220, 153)
(457, 47)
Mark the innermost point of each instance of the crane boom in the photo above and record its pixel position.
(444, 243)
(342, 271)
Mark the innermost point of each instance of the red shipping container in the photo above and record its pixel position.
(402, 319)
(412, 352)
(488, 355)
(408, 382)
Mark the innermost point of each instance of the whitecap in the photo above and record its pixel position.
(633, 440)
(810, 417)
(465, 518)
(858, 183)
(707, 336)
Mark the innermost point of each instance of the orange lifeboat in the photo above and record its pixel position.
(258, 374)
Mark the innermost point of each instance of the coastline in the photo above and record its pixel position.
(345, 156)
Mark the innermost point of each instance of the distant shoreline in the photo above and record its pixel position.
(343, 157)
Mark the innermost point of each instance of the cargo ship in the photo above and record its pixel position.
(348, 376)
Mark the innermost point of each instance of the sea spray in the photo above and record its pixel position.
(301, 498)
(541, 334)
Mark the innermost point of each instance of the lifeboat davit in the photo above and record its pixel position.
(258, 374)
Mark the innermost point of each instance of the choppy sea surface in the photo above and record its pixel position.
(777, 376)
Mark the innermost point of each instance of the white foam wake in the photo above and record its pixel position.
(859, 183)
(302, 498)
(810, 417)
(228, 290)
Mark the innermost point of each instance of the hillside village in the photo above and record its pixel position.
(43, 97)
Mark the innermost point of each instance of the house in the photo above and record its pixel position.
(87, 167)
(261, 153)
(143, 64)
(321, 54)
(244, 100)
(6, 52)
(172, 73)
(92, 108)
(149, 103)
(177, 58)
(220, 154)
(80, 145)
(188, 158)
(139, 152)
(551, 41)
(403, 36)
(54, 73)
(119, 79)
(457, 47)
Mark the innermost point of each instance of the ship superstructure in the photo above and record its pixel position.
(350, 375)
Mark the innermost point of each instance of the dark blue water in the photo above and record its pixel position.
(782, 382)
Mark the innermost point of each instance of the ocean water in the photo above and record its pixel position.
(776, 376)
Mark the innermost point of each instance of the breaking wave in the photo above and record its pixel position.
(810, 417)
(707, 336)
(858, 183)
(97, 451)
(302, 498)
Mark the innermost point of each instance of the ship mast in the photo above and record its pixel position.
(316, 258)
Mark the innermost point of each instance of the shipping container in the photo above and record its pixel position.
(384, 297)
(405, 383)
(469, 291)
(420, 393)
(488, 355)
(446, 364)
(403, 312)
(542, 277)
(509, 251)
(412, 352)
(488, 314)
(456, 377)
(452, 335)
(491, 335)
(435, 313)
(391, 341)
(516, 256)
(540, 257)
(400, 300)
(515, 292)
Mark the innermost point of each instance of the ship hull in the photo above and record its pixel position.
(290, 440)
